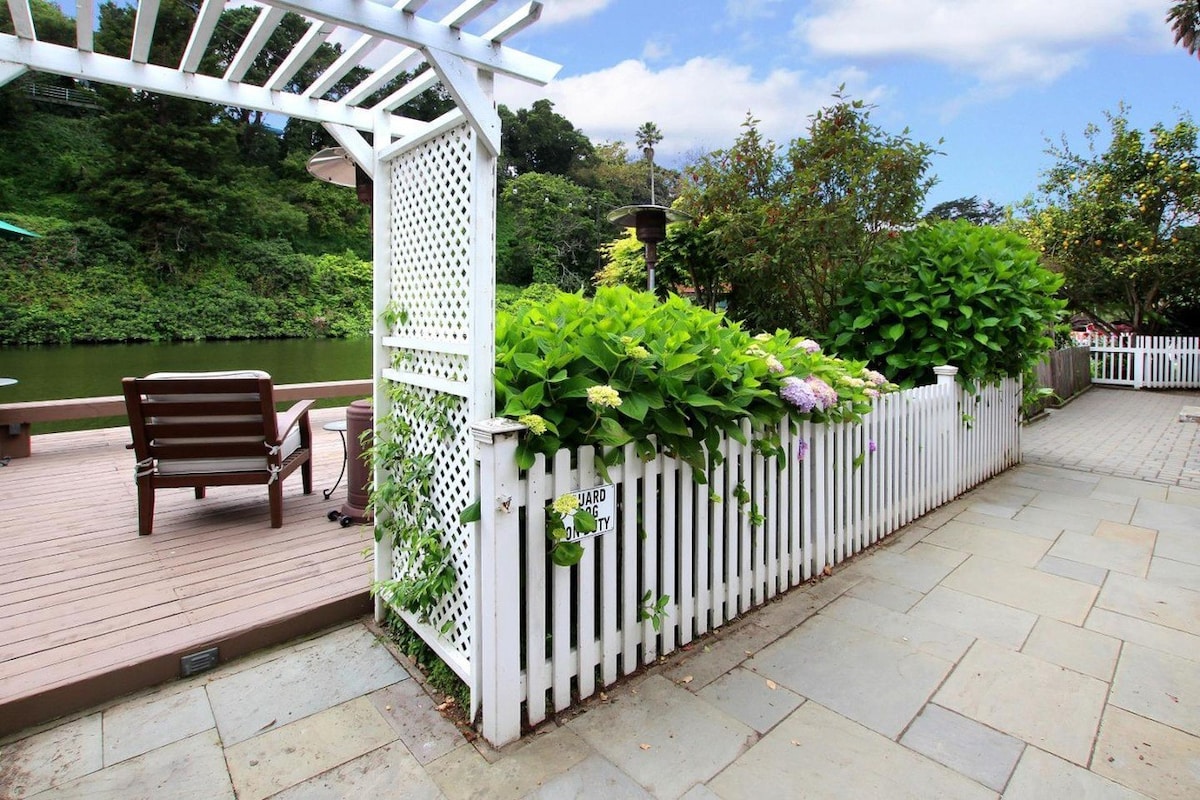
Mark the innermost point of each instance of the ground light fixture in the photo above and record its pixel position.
(649, 223)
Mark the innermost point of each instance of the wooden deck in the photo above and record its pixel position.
(90, 611)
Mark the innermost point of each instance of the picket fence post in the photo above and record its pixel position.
(945, 377)
(497, 573)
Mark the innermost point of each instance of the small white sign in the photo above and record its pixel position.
(601, 503)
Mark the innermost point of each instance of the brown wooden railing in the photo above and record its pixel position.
(17, 419)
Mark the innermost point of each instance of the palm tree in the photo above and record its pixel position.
(1184, 19)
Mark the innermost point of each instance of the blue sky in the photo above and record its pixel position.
(992, 79)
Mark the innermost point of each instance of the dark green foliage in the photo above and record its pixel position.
(536, 139)
(791, 228)
(550, 230)
(951, 293)
(83, 282)
(969, 208)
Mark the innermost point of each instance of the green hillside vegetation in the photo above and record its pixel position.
(167, 219)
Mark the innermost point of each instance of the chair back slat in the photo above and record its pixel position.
(195, 448)
(195, 428)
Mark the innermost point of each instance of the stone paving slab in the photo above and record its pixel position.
(54, 757)
(1034, 591)
(190, 769)
(845, 668)
(1160, 603)
(284, 756)
(976, 617)
(672, 739)
(1049, 707)
(140, 726)
(751, 699)
(1075, 648)
(1155, 759)
(336, 668)
(388, 771)
(981, 540)
(1040, 775)
(1158, 686)
(975, 750)
(1105, 553)
(816, 753)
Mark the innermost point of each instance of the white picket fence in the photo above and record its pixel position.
(550, 636)
(1146, 362)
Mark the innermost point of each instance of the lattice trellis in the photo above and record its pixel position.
(432, 244)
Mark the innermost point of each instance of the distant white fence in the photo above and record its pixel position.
(550, 635)
(1146, 362)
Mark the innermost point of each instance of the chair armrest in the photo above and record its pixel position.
(288, 419)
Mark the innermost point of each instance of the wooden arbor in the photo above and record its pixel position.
(434, 202)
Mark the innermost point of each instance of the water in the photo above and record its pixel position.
(55, 373)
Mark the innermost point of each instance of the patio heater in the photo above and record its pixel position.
(649, 222)
(333, 165)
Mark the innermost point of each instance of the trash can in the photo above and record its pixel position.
(360, 418)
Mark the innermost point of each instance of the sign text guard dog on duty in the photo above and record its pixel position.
(601, 503)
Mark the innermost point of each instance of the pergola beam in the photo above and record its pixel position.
(357, 147)
(59, 60)
(9, 72)
(143, 30)
(264, 25)
(202, 31)
(515, 22)
(83, 24)
(305, 49)
(380, 77)
(463, 84)
(22, 18)
(395, 25)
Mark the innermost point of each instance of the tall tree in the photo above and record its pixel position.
(537, 139)
(1120, 220)
(1184, 19)
(968, 208)
(794, 226)
(648, 135)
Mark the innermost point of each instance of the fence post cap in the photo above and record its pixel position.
(945, 369)
(485, 431)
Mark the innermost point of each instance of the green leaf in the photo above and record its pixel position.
(472, 513)
(894, 332)
(584, 521)
(566, 554)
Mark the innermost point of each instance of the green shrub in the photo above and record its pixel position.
(622, 368)
(951, 293)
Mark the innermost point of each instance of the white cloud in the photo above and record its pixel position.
(699, 105)
(998, 41)
(556, 12)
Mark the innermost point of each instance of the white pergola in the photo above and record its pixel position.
(434, 209)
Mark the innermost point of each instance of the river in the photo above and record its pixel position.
(58, 372)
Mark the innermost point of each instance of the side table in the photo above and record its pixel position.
(338, 425)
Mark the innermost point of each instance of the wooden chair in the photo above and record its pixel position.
(205, 429)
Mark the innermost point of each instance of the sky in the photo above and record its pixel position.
(989, 83)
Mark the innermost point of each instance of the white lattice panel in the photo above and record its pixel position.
(431, 244)
(432, 229)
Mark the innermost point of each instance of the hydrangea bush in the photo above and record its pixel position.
(625, 368)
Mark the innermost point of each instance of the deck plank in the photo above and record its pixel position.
(88, 607)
